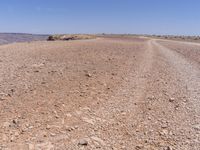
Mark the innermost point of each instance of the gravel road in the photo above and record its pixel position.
(104, 93)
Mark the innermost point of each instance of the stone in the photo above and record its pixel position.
(3, 96)
(68, 115)
(171, 99)
(88, 74)
(52, 134)
(167, 148)
(83, 142)
(139, 147)
(196, 127)
(97, 139)
(15, 121)
(48, 127)
(90, 121)
(164, 132)
(6, 124)
(69, 129)
(164, 126)
(16, 134)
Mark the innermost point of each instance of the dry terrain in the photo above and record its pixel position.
(110, 93)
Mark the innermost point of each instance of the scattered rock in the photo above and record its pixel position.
(57, 116)
(90, 121)
(138, 147)
(12, 90)
(167, 148)
(100, 141)
(164, 126)
(43, 82)
(69, 129)
(78, 112)
(16, 134)
(30, 127)
(176, 107)
(88, 74)
(171, 99)
(3, 96)
(4, 138)
(15, 121)
(86, 108)
(36, 71)
(6, 124)
(75, 127)
(197, 127)
(12, 139)
(114, 74)
(52, 134)
(164, 132)
(151, 98)
(48, 127)
(68, 115)
(83, 142)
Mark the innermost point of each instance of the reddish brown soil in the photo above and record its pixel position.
(104, 93)
(188, 50)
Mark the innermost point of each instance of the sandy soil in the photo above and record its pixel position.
(105, 93)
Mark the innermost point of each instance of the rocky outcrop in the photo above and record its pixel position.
(67, 37)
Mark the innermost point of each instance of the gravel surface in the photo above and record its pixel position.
(104, 93)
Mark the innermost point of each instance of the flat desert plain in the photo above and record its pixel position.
(108, 93)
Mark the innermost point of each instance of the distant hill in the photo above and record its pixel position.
(67, 37)
(6, 38)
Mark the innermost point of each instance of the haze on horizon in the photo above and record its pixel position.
(180, 17)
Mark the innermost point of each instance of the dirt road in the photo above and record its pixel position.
(106, 93)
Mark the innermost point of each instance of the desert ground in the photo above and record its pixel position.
(107, 93)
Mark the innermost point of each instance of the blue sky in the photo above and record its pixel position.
(101, 16)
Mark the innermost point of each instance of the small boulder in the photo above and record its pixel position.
(171, 99)
(88, 74)
(83, 142)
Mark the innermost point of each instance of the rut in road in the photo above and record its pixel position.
(127, 119)
(182, 84)
(187, 71)
(115, 122)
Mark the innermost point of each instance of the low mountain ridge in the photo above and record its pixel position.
(6, 38)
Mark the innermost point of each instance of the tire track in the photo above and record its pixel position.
(182, 84)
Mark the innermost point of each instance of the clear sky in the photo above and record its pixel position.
(101, 16)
